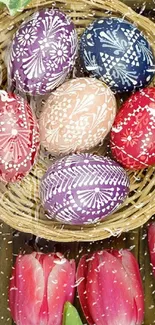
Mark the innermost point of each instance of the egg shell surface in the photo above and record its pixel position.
(77, 116)
(133, 132)
(83, 188)
(43, 52)
(19, 138)
(117, 52)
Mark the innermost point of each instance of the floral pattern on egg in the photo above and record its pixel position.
(43, 52)
(77, 116)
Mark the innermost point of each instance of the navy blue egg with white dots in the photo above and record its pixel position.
(117, 52)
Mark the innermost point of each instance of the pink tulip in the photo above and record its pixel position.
(151, 241)
(39, 287)
(110, 288)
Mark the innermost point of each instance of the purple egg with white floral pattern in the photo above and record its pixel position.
(83, 188)
(43, 52)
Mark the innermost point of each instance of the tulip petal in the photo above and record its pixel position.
(70, 290)
(94, 291)
(60, 288)
(26, 290)
(131, 267)
(151, 242)
(115, 299)
(81, 278)
(47, 263)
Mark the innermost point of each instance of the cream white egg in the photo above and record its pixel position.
(77, 116)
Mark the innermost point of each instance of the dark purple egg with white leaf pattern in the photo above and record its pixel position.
(42, 52)
(83, 188)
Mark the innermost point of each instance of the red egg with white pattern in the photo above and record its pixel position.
(133, 132)
(19, 137)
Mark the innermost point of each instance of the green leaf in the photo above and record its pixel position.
(15, 5)
(70, 315)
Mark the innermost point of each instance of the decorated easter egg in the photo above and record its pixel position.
(19, 137)
(43, 52)
(77, 116)
(117, 52)
(83, 188)
(133, 132)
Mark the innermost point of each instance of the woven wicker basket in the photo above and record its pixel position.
(20, 206)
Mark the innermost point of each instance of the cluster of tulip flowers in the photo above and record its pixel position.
(108, 282)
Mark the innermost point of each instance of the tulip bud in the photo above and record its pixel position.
(151, 242)
(110, 288)
(39, 287)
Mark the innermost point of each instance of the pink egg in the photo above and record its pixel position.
(77, 116)
(133, 132)
(19, 137)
